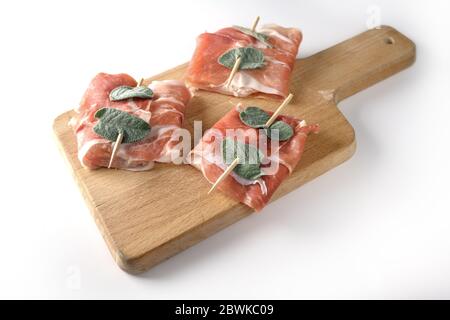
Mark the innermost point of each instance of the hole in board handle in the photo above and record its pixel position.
(389, 40)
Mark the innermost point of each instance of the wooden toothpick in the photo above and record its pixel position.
(224, 174)
(233, 71)
(277, 112)
(115, 148)
(255, 23)
(119, 139)
(237, 63)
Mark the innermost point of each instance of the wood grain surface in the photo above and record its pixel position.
(146, 217)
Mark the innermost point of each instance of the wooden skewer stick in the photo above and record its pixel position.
(277, 112)
(224, 174)
(255, 23)
(115, 148)
(237, 63)
(120, 137)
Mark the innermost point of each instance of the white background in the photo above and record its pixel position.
(378, 226)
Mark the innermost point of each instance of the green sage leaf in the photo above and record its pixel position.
(254, 117)
(257, 118)
(127, 92)
(250, 158)
(114, 121)
(251, 58)
(257, 35)
(279, 130)
(249, 171)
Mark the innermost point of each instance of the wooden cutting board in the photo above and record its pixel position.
(146, 217)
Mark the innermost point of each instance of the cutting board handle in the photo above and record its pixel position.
(357, 63)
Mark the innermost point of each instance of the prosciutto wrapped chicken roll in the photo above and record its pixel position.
(149, 116)
(267, 155)
(267, 61)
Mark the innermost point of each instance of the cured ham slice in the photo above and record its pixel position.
(164, 112)
(280, 51)
(281, 161)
